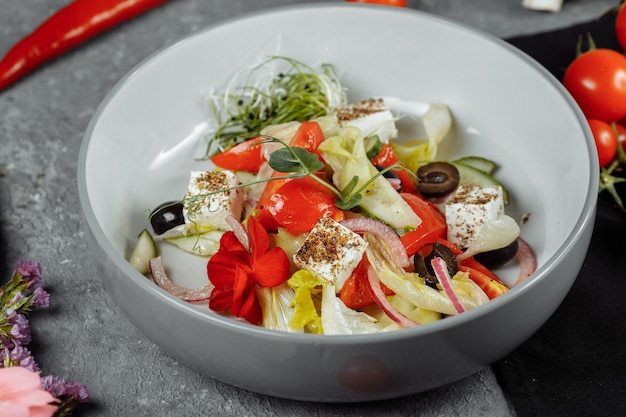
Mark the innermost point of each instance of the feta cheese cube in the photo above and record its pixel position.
(331, 251)
(205, 209)
(371, 116)
(469, 210)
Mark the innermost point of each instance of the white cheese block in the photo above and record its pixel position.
(371, 116)
(469, 210)
(331, 251)
(204, 207)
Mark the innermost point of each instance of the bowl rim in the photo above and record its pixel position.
(584, 221)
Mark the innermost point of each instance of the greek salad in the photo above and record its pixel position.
(314, 217)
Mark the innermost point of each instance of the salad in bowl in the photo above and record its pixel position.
(315, 215)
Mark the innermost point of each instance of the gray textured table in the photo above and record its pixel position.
(83, 335)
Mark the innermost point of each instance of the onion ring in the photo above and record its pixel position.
(383, 232)
(186, 294)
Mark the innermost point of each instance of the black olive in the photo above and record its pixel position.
(167, 216)
(392, 175)
(498, 257)
(423, 263)
(437, 179)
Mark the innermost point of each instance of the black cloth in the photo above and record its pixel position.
(575, 365)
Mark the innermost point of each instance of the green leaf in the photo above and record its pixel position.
(348, 203)
(294, 159)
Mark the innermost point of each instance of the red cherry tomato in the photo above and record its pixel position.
(597, 81)
(621, 134)
(397, 3)
(298, 204)
(620, 26)
(606, 141)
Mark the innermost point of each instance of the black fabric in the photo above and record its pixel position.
(575, 365)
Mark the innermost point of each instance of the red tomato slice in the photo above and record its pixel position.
(245, 156)
(356, 292)
(491, 287)
(308, 136)
(432, 227)
(397, 3)
(298, 204)
(387, 157)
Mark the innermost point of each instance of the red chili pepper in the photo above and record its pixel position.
(68, 27)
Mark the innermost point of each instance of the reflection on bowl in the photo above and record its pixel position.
(144, 139)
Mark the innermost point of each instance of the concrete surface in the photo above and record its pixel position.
(84, 336)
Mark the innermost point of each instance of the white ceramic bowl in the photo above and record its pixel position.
(141, 144)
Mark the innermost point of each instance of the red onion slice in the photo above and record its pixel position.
(441, 272)
(383, 232)
(186, 294)
(381, 301)
(527, 260)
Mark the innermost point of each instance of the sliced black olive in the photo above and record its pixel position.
(392, 175)
(498, 257)
(423, 263)
(437, 179)
(167, 216)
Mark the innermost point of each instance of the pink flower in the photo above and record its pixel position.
(21, 394)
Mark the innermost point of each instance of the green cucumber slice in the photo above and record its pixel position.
(144, 250)
(203, 244)
(482, 164)
(472, 175)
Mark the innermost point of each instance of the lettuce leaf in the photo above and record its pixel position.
(305, 314)
(345, 153)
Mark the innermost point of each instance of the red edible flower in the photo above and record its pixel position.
(234, 271)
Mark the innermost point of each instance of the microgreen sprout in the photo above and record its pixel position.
(295, 92)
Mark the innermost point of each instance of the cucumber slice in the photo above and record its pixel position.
(203, 244)
(144, 250)
(472, 175)
(482, 164)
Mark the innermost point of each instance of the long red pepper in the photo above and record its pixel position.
(75, 23)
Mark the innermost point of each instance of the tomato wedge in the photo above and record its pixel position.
(298, 204)
(432, 227)
(356, 292)
(245, 156)
(308, 136)
(387, 157)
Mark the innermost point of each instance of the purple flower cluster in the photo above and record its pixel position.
(17, 298)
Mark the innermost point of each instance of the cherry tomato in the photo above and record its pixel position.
(597, 81)
(298, 204)
(397, 3)
(620, 26)
(432, 227)
(245, 156)
(621, 134)
(606, 141)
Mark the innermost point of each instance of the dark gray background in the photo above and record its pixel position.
(83, 335)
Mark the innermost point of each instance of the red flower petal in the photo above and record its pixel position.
(220, 300)
(241, 289)
(259, 238)
(272, 268)
(251, 309)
